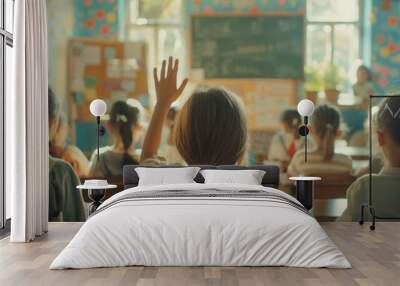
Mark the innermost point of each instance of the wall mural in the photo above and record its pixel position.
(99, 18)
(386, 46)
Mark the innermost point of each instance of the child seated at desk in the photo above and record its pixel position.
(322, 159)
(385, 185)
(59, 148)
(286, 142)
(65, 202)
(362, 89)
(125, 129)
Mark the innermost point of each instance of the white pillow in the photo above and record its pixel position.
(165, 176)
(248, 177)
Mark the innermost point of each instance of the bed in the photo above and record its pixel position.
(199, 224)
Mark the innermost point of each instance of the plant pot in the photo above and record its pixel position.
(332, 95)
(312, 95)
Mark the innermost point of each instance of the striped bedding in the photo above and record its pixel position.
(201, 225)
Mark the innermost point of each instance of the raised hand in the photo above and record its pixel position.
(167, 92)
(166, 85)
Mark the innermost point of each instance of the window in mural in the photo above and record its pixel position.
(159, 24)
(332, 10)
(333, 29)
(159, 9)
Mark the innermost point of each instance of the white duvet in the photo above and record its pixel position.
(200, 231)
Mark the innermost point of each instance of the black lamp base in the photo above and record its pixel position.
(96, 196)
(305, 193)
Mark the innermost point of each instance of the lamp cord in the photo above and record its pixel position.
(306, 133)
(370, 150)
(98, 138)
(305, 147)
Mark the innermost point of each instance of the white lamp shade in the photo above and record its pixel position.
(98, 107)
(305, 107)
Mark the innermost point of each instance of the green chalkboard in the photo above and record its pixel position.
(265, 46)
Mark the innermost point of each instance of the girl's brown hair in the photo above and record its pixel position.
(293, 120)
(326, 122)
(389, 117)
(211, 128)
(123, 117)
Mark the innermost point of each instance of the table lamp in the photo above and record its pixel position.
(305, 108)
(98, 108)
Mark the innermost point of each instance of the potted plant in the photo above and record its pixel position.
(332, 79)
(313, 82)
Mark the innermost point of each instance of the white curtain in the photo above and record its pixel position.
(27, 124)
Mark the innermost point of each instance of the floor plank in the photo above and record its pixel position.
(375, 257)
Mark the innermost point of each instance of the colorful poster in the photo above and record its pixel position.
(96, 18)
(385, 47)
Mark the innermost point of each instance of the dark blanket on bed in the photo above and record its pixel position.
(207, 194)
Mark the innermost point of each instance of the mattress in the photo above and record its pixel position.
(201, 225)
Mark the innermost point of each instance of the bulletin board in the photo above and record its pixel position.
(264, 100)
(105, 69)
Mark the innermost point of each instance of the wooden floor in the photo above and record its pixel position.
(375, 257)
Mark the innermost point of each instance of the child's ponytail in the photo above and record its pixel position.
(326, 121)
(123, 117)
(327, 146)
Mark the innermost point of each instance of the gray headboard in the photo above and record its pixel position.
(270, 179)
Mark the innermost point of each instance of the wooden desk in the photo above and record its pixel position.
(356, 153)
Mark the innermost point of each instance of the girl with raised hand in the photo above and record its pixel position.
(210, 128)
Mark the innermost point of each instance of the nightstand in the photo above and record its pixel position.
(96, 195)
(305, 190)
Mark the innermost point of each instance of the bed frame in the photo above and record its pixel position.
(270, 179)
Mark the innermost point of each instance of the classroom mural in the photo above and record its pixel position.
(102, 19)
(386, 45)
(250, 47)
